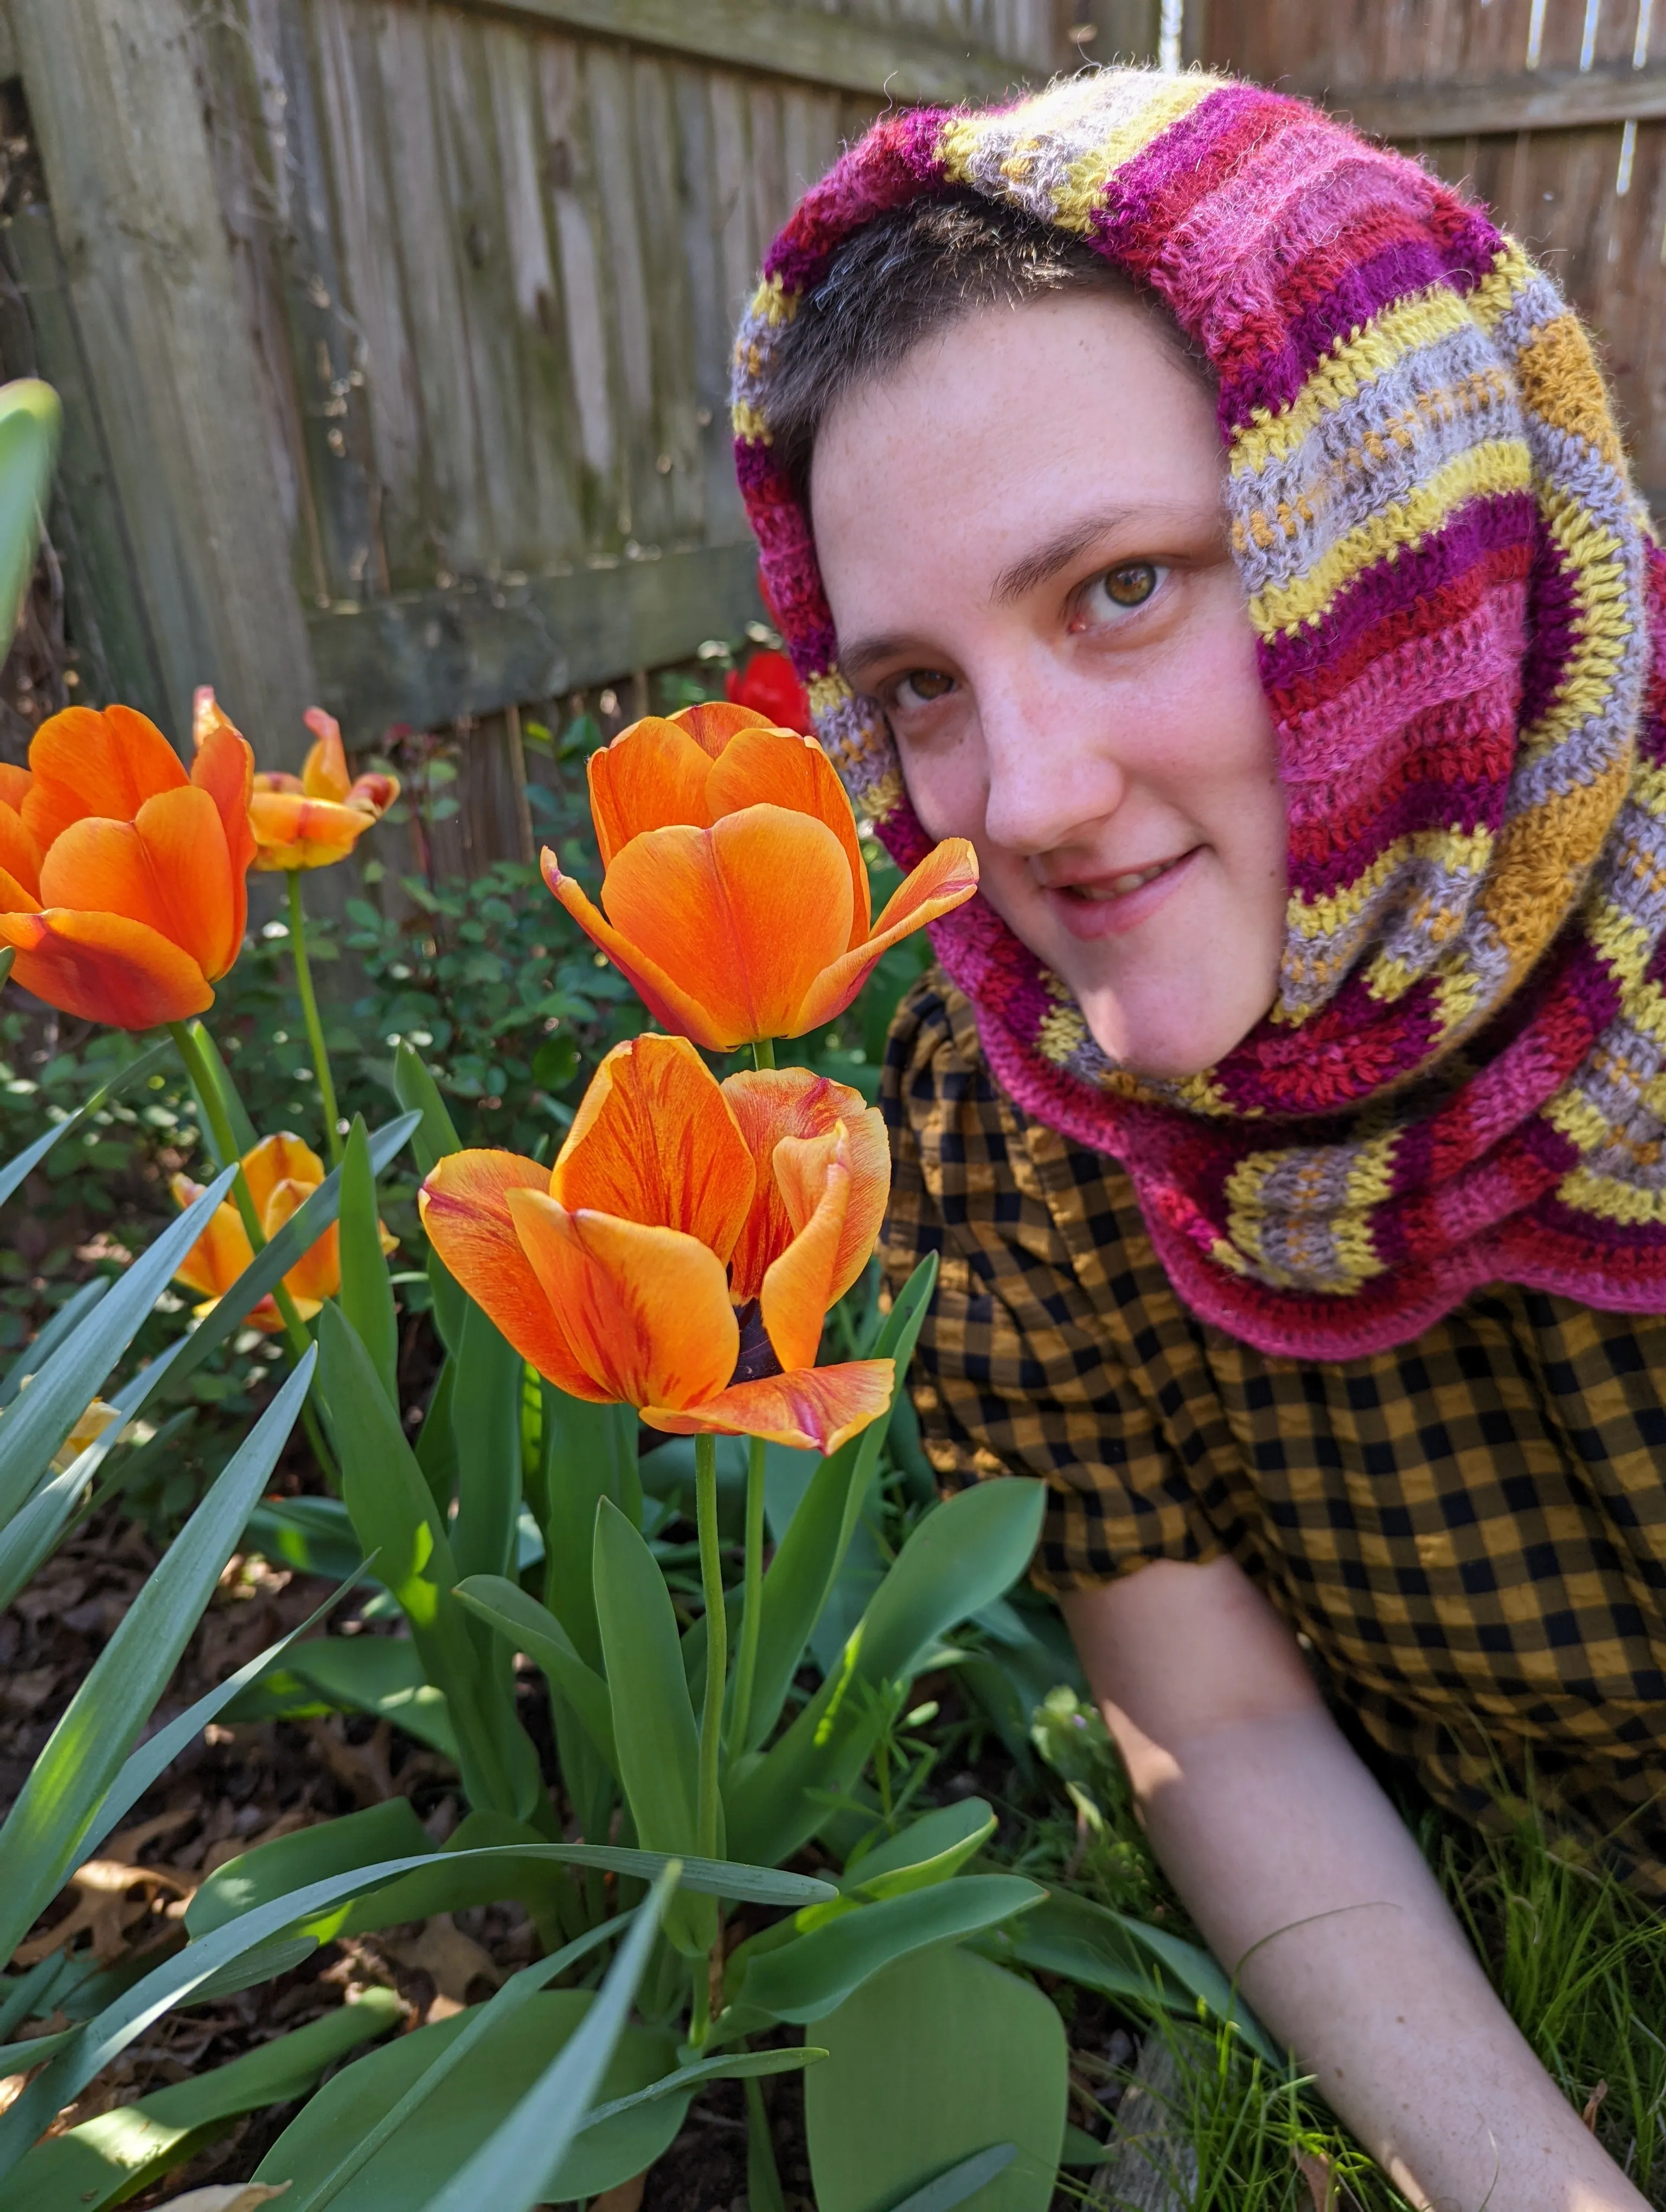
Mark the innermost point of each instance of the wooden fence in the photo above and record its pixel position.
(1554, 112)
(393, 334)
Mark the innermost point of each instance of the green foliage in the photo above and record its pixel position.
(986, 2066)
(31, 422)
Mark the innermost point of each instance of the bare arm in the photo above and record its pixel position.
(1292, 1861)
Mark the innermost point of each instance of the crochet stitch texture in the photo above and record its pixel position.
(1453, 587)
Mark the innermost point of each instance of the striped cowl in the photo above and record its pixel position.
(1453, 587)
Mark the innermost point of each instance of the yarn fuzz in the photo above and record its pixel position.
(1453, 587)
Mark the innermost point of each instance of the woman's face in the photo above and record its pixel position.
(1021, 535)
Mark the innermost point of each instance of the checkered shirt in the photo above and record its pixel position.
(1468, 1531)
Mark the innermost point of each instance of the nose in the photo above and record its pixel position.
(1050, 780)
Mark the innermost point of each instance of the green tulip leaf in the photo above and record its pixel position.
(40, 1840)
(805, 1979)
(532, 1628)
(939, 2062)
(366, 1295)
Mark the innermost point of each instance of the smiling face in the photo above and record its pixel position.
(1021, 537)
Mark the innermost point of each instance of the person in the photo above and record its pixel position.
(1219, 522)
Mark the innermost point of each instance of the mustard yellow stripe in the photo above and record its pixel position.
(1457, 852)
(1355, 1248)
(1370, 1178)
(827, 692)
(1171, 98)
(1458, 994)
(1495, 467)
(749, 422)
(1420, 319)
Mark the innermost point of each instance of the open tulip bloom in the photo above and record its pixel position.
(282, 1173)
(121, 877)
(734, 895)
(683, 1253)
(313, 819)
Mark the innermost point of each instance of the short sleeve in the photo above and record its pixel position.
(1017, 1371)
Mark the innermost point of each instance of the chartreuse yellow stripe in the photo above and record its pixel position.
(1601, 594)
(1460, 851)
(749, 422)
(1498, 292)
(1370, 350)
(1493, 468)
(1172, 97)
(1590, 1192)
(1019, 132)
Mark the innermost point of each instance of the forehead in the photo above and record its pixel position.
(992, 429)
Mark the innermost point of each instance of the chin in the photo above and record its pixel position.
(1162, 1051)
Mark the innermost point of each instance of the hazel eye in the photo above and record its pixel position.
(922, 687)
(1118, 591)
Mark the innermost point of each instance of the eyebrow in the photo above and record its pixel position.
(1037, 567)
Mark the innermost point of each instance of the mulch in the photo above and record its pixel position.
(239, 1786)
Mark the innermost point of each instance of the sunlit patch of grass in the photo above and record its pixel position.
(1578, 1958)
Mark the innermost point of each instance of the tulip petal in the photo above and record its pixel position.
(798, 1285)
(84, 763)
(800, 1172)
(220, 1254)
(168, 869)
(372, 794)
(224, 768)
(773, 1102)
(671, 1006)
(105, 968)
(324, 773)
(317, 1274)
(20, 856)
(813, 1409)
(652, 774)
(647, 1310)
(745, 915)
(464, 1208)
(654, 1141)
(712, 722)
(290, 830)
(285, 1157)
(778, 767)
(944, 879)
(14, 785)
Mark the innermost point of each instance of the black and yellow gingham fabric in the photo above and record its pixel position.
(1470, 1531)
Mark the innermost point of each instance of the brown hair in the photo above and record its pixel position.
(906, 275)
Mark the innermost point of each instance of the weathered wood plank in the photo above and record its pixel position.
(1559, 100)
(901, 64)
(429, 657)
(112, 88)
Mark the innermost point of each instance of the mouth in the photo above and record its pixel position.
(1098, 890)
(1105, 906)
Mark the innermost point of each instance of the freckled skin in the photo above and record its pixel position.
(1100, 712)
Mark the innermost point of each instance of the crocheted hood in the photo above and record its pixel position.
(1452, 584)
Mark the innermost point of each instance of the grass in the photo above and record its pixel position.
(1579, 1959)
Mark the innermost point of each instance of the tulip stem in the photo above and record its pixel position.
(752, 1608)
(764, 1052)
(717, 1638)
(208, 1092)
(309, 1014)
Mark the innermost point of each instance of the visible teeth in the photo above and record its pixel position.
(1120, 886)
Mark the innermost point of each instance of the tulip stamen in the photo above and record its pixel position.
(756, 1359)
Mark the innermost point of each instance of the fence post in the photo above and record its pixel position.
(156, 313)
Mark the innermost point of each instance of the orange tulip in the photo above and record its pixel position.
(121, 877)
(313, 819)
(282, 1173)
(735, 893)
(683, 1252)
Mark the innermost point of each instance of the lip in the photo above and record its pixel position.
(1088, 919)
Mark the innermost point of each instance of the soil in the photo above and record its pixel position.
(239, 1786)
